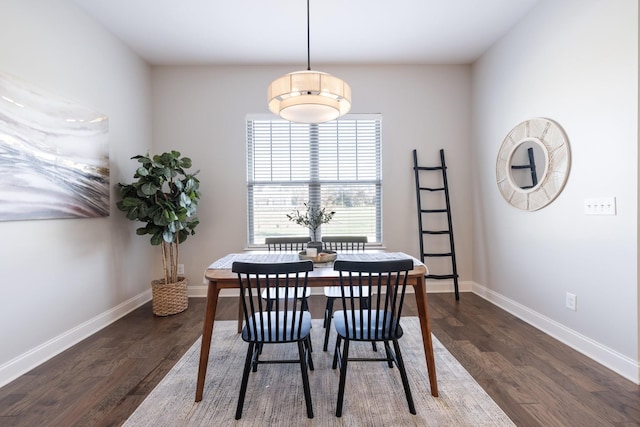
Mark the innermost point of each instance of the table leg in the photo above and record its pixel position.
(207, 330)
(240, 314)
(421, 302)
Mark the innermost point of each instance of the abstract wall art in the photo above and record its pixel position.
(54, 155)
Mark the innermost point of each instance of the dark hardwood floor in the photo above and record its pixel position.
(535, 379)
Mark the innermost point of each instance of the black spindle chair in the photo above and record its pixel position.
(293, 243)
(279, 244)
(331, 293)
(379, 321)
(277, 323)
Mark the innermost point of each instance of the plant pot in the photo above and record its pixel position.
(170, 298)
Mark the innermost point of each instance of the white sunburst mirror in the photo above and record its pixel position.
(533, 164)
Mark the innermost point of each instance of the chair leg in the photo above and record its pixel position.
(387, 350)
(257, 351)
(307, 343)
(326, 339)
(328, 314)
(343, 376)
(403, 375)
(334, 365)
(305, 378)
(245, 380)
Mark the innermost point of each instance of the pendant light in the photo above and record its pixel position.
(309, 96)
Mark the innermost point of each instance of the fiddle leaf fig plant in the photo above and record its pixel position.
(164, 196)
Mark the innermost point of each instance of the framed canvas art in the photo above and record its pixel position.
(54, 155)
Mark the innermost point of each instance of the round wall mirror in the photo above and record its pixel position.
(528, 162)
(533, 164)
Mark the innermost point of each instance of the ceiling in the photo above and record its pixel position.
(275, 31)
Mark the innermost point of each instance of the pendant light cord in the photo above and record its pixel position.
(308, 41)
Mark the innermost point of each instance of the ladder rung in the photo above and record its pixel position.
(432, 189)
(433, 210)
(438, 254)
(428, 168)
(436, 231)
(441, 276)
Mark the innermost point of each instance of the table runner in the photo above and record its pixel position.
(226, 261)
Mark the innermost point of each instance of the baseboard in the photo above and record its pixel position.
(619, 363)
(447, 286)
(22, 364)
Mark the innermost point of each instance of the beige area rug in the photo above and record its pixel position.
(373, 397)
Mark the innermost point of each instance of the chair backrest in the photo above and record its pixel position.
(344, 243)
(286, 243)
(387, 281)
(281, 319)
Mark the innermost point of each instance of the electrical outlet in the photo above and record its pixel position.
(180, 268)
(571, 301)
(600, 206)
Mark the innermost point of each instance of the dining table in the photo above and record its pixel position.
(219, 276)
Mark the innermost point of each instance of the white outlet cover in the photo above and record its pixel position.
(571, 301)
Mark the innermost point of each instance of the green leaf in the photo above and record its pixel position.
(156, 239)
(142, 171)
(149, 189)
(185, 200)
(185, 162)
(168, 236)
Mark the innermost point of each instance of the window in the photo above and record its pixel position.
(336, 165)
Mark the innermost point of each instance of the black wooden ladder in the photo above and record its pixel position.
(423, 213)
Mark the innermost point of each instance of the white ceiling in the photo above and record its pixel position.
(275, 31)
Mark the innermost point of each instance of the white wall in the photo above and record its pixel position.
(201, 112)
(63, 279)
(576, 62)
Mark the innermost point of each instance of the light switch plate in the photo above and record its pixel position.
(600, 206)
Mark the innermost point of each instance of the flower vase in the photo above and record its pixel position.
(317, 245)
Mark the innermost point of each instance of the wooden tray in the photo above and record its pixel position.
(322, 257)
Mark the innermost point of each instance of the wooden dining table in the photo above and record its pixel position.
(219, 276)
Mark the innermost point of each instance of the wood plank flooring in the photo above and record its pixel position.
(535, 379)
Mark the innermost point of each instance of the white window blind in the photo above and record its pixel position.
(336, 165)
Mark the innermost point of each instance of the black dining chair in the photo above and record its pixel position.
(331, 293)
(278, 323)
(378, 322)
(292, 243)
(344, 243)
(279, 244)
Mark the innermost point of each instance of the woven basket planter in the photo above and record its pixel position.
(169, 298)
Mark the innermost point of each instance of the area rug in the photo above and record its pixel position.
(373, 397)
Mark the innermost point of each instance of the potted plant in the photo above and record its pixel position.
(164, 196)
(312, 217)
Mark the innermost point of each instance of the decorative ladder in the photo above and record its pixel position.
(420, 192)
